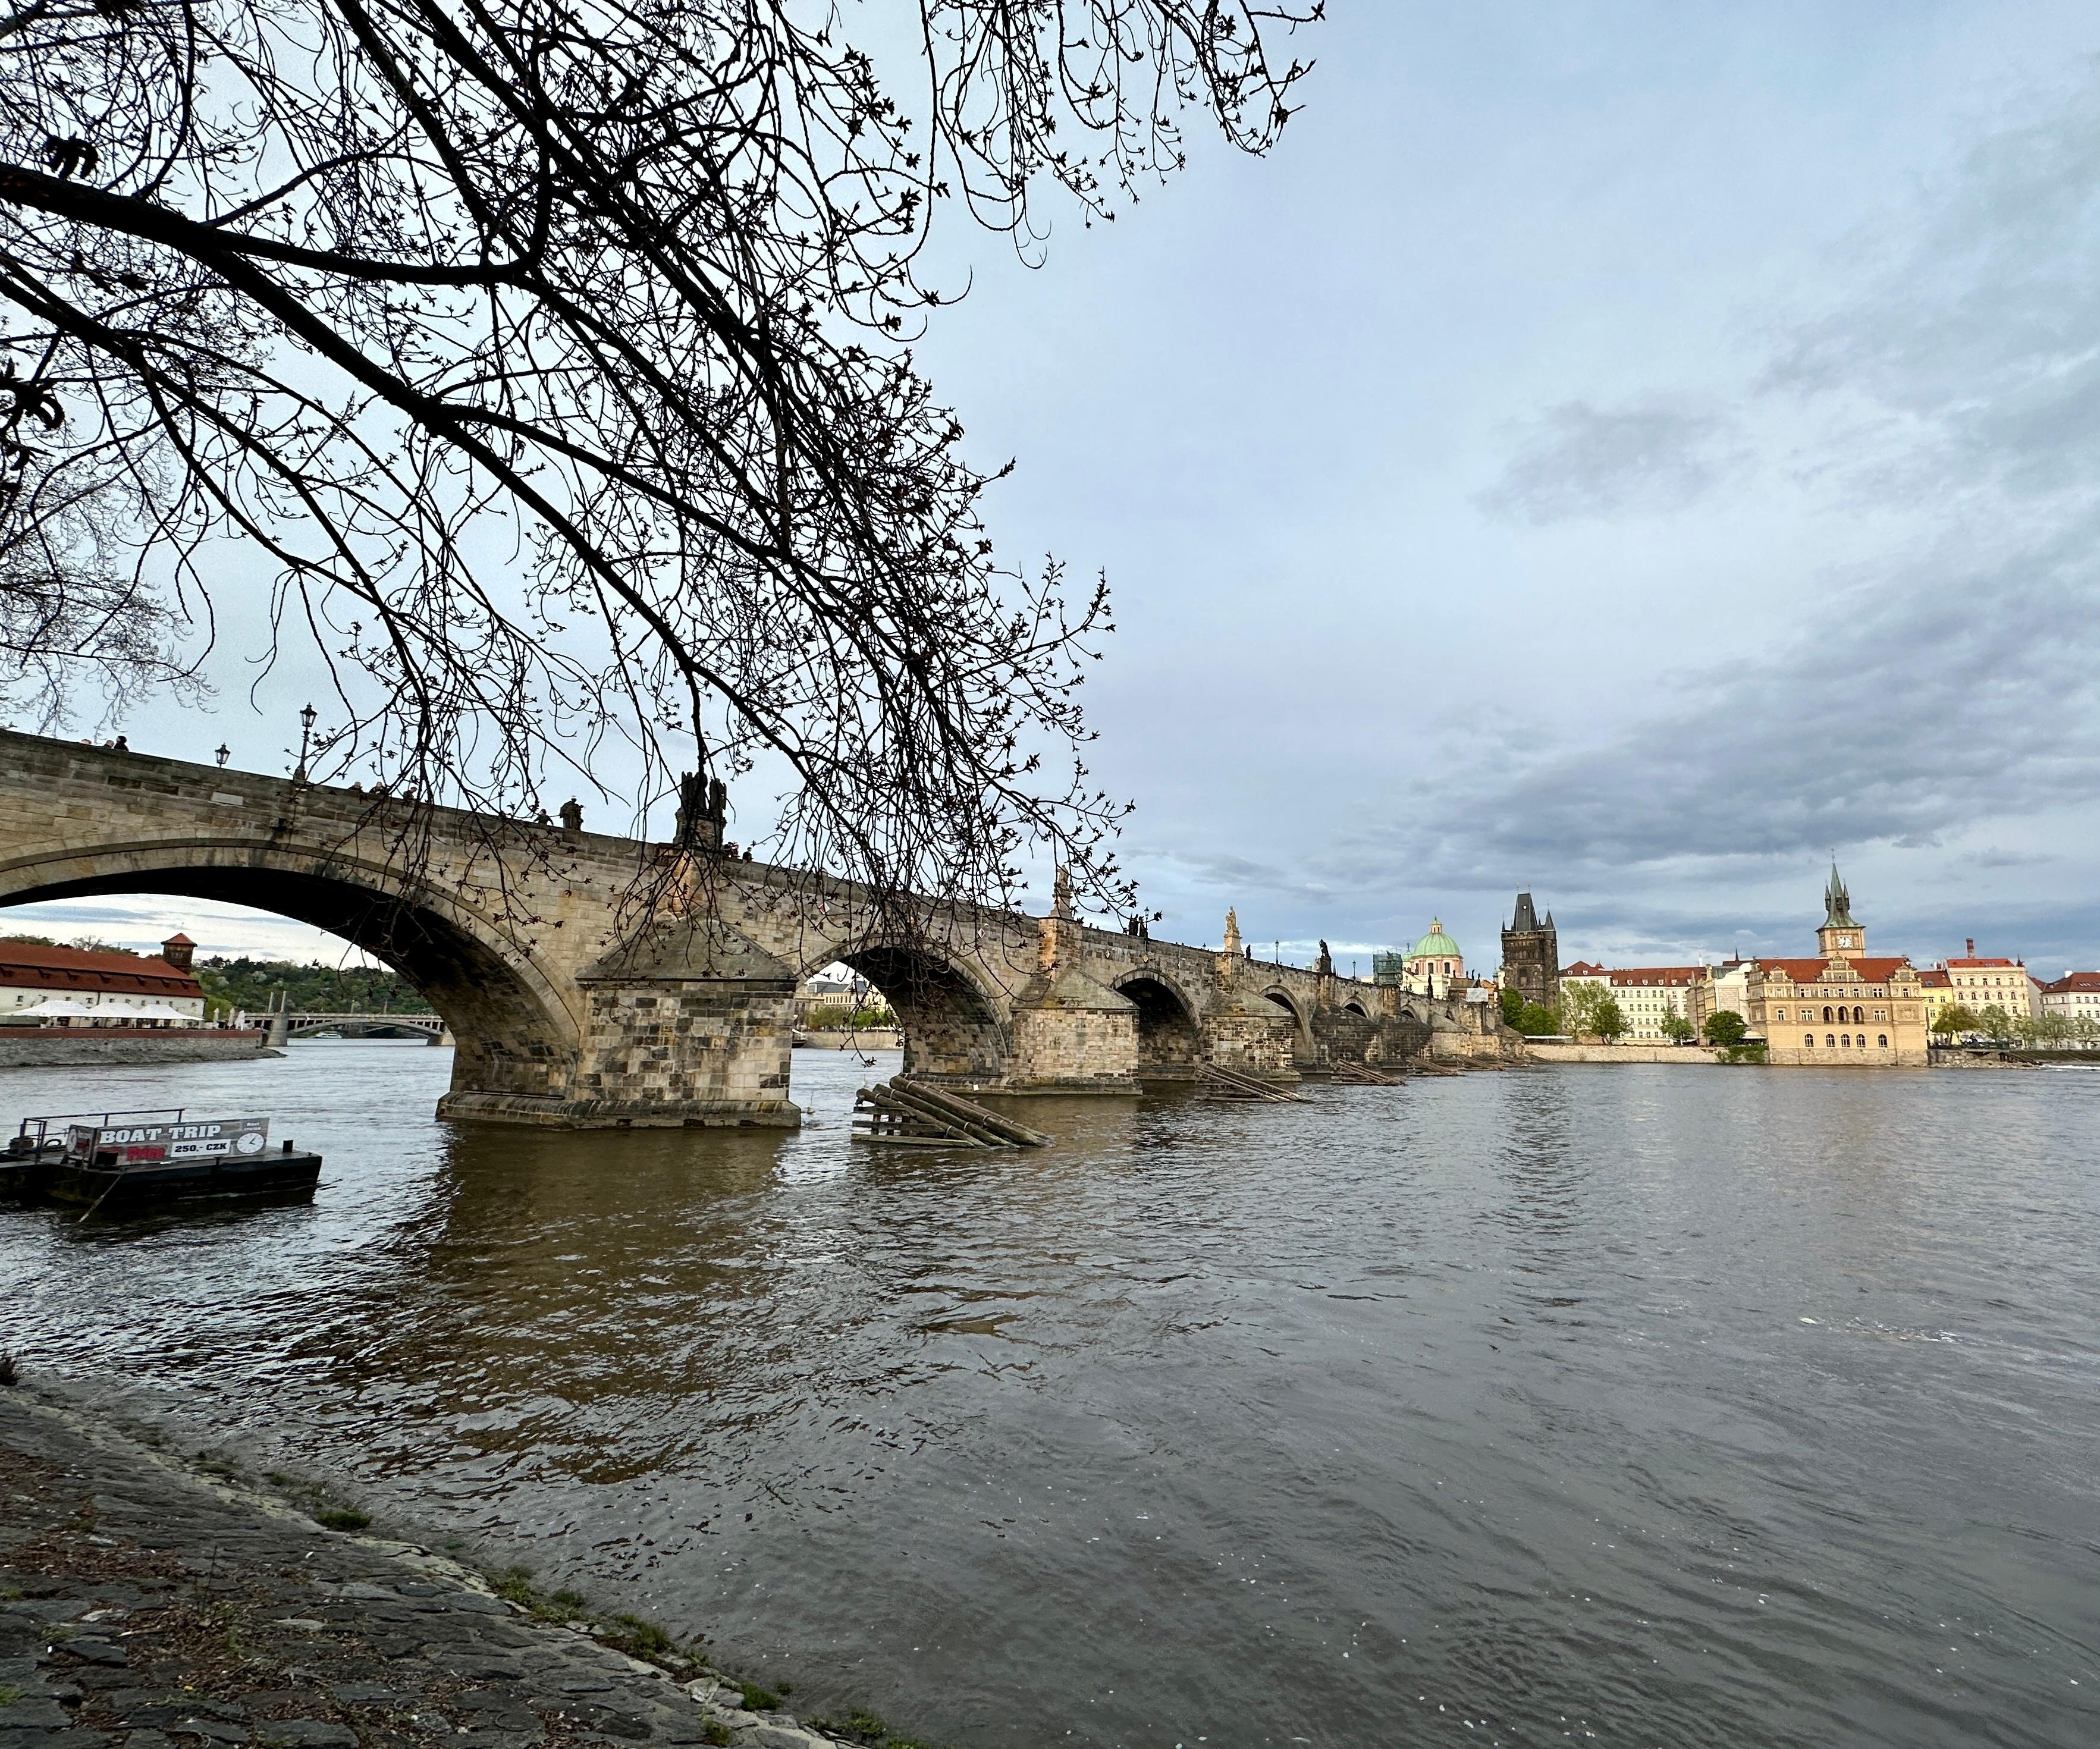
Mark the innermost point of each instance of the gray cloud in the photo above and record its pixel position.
(1949, 690)
(1977, 328)
(1581, 460)
(1953, 682)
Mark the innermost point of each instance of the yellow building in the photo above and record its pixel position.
(2006, 983)
(1844, 1009)
(1939, 991)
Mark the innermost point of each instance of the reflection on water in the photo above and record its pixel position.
(1671, 1405)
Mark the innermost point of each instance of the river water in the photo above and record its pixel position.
(1641, 1406)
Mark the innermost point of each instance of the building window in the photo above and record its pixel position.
(1808, 1040)
(1826, 1016)
(1881, 1014)
(1883, 1040)
(1845, 1042)
(1779, 1014)
(1830, 1041)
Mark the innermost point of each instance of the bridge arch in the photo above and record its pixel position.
(1168, 1039)
(516, 1030)
(952, 1025)
(1290, 1003)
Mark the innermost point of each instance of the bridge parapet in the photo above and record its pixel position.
(572, 1004)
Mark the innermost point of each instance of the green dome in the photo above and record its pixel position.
(1435, 942)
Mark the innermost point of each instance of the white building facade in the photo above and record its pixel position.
(70, 987)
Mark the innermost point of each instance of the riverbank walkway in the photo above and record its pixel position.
(146, 1605)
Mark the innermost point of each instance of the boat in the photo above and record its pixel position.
(123, 1161)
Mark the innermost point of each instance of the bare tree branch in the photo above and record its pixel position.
(622, 291)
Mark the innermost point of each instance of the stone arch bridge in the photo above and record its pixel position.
(299, 1023)
(568, 1007)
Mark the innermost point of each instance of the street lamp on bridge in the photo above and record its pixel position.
(306, 742)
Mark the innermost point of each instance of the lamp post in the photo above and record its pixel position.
(222, 754)
(306, 742)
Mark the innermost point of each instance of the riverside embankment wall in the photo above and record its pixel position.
(102, 1047)
(1684, 1054)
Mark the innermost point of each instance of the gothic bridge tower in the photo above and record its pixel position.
(1531, 954)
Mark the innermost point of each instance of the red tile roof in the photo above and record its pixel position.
(1933, 979)
(1982, 965)
(1658, 975)
(1875, 971)
(1582, 969)
(2073, 980)
(23, 966)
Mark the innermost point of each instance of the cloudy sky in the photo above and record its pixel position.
(1628, 451)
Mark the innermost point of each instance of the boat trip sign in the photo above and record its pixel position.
(196, 1139)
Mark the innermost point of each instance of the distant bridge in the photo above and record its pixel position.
(284, 1024)
(570, 1004)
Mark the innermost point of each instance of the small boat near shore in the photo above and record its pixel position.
(127, 1161)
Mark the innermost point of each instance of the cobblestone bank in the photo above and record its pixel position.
(145, 1605)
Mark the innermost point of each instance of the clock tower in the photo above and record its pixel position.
(1840, 937)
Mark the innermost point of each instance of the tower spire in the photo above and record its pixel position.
(1837, 901)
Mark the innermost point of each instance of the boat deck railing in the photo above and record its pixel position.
(38, 1129)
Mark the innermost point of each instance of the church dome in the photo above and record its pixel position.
(1435, 942)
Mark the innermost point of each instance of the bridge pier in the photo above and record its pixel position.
(568, 1008)
(691, 1025)
(1071, 1033)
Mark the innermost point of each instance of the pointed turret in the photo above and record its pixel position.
(1531, 954)
(1840, 936)
(1836, 902)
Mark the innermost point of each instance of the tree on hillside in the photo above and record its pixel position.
(1677, 1029)
(1725, 1027)
(1994, 1023)
(1512, 1001)
(254, 984)
(555, 354)
(1608, 1021)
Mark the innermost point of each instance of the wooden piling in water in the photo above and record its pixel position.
(908, 1113)
(1226, 1084)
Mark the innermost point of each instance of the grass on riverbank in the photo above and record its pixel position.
(861, 1725)
(632, 1634)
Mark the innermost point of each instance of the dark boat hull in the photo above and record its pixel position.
(113, 1188)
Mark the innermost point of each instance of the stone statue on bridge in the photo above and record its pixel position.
(703, 812)
(569, 1009)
